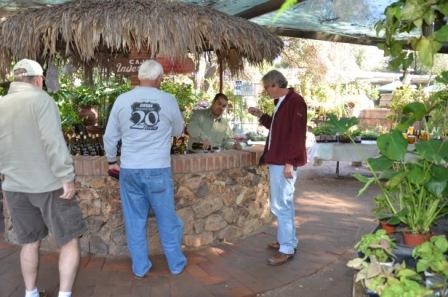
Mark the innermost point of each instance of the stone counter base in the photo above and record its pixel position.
(215, 206)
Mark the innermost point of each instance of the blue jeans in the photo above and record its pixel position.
(140, 190)
(282, 206)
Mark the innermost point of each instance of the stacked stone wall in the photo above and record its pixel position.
(220, 197)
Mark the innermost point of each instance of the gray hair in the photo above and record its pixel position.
(25, 79)
(275, 78)
(150, 70)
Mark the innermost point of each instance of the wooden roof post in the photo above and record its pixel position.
(88, 74)
(221, 71)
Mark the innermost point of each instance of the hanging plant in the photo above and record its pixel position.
(424, 20)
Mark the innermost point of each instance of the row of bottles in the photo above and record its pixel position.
(412, 135)
(86, 144)
(81, 144)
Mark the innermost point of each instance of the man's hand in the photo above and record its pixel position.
(255, 112)
(114, 167)
(69, 190)
(287, 171)
(237, 146)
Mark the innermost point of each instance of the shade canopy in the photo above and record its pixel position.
(349, 21)
(96, 31)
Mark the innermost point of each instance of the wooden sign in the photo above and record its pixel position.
(176, 65)
(129, 66)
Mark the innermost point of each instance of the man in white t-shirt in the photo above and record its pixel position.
(146, 119)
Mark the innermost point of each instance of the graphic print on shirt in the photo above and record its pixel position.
(145, 116)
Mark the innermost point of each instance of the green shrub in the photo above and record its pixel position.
(377, 244)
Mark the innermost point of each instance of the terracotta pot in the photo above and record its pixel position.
(412, 239)
(88, 115)
(390, 229)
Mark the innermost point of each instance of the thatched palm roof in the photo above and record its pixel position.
(93, 31)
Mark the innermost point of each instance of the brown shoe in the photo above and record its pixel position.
(43, 294)
(279, 258)
(276, 246)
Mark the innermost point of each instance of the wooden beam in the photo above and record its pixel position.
(362, 40)
(292, 32)
(263, 8)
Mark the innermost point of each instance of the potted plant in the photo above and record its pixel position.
(343, 127)
(372, 274)
(377, 244)
(389, 281)
(404, 282)
(355, 134)
(414, 190)
(383, 214)
(323, 133)
(432, 261)
(369, 135)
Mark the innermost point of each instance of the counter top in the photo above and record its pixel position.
(188, 163)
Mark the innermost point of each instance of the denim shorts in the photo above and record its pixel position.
(34, 214)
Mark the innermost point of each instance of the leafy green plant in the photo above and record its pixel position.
(431, 255)
(355, 132)
(345, 127)
(342, 125)
(369, 135)
(67, 108)
(407, 282)
(400, 98)
(377, 244)
(371, 273)
(237, 107)
(186, 98)
(108, 93)
(266, 104)
(437, 106)
(389, 280)
(407, 16)
(3, 91)
(84, 96)
(413, 191)
(397, 280)
(323, 129)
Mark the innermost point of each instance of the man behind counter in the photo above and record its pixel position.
(209, 130)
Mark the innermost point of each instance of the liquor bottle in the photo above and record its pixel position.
(78, 145)
(84, 147)
(70, 144)
(99, 145)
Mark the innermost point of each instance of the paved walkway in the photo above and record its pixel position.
(330, 220)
